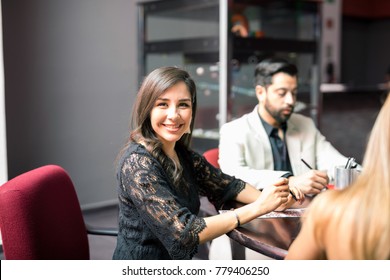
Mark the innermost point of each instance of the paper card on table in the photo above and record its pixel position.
(288, 213)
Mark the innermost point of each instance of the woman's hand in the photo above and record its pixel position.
(296, 197)
(274, 196)
(297, 194)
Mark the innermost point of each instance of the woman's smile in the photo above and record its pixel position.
(173, 127)
(172, 113)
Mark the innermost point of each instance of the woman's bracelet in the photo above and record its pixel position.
(237, 218)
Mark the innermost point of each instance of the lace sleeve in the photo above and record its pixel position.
(216, 185)
(144, 182)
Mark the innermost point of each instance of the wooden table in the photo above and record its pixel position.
(269, 236)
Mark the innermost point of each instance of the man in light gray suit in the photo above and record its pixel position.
(272, 140)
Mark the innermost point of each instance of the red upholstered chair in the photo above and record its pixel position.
(212, 156)
(41, 218)
(238, 251)
(206, 208)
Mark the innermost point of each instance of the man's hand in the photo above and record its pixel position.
(311, 182)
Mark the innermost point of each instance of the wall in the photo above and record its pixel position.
(365, 41)
(330, 41)
(3, 146)
(70, 80)
(366, 8)
(365, 50)
(365, 55)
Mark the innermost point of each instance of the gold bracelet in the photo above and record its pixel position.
(237, 218)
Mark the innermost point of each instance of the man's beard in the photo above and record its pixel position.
(277, 114)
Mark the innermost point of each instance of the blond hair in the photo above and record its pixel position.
(363, 209)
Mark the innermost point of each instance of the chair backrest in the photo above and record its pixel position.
(212, 156)
(41, 218)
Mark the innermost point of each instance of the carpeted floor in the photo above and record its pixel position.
(102, 247)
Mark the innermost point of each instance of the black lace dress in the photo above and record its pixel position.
(158, 220)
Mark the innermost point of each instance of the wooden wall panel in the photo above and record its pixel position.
(370, 9)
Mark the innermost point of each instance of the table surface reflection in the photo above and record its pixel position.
(269, 236)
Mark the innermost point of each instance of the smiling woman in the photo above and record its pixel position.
(171, 116)
(160, 179)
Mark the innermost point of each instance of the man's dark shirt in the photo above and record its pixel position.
(279, 147)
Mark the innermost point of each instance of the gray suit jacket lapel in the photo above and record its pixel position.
(261, 136)
(294, 142)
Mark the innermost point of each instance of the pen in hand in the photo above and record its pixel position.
(293, 195)
(306, 164)
(311, 168)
